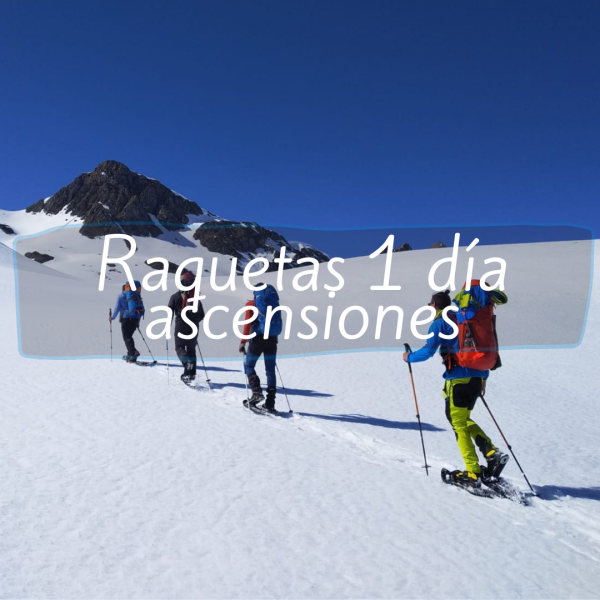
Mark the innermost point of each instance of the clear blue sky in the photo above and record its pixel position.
(312, 113)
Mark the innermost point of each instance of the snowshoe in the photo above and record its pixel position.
(188, 378)
(471, 482)
(464, 478)
(260, 410)
(256, 398)
(504, 489)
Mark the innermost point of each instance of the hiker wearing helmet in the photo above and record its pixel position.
(131, 308)
(186, 348)
(463, 385)
(254, 332)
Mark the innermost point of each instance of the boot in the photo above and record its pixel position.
(256, 398)
(189, 372)
(466, 478)
(132, 358)
(270, 401)
(496, 461)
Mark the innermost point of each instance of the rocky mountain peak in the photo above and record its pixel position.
(114, 199)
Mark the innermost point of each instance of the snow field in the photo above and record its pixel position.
(120, 484)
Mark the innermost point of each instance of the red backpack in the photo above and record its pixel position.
(476, 322)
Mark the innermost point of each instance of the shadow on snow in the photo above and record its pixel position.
(180, 366)
(374, 421)
(556, 492)
(280, 394)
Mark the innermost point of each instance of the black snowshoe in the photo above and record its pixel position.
(188, 378)
(259, 410)
(462, 478)
(471, 482)
(493, 487)
(255, 399)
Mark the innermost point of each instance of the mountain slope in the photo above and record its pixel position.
(113, 199)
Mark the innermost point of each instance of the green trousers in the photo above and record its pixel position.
(461, 396)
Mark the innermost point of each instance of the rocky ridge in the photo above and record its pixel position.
(113, 199)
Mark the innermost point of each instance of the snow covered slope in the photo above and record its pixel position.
(119, 481)
(59, 236)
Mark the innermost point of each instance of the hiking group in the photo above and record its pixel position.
(130, 306)
(468, 357)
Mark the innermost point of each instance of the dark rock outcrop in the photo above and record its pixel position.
(113, 199)
(235, 238)
(403, 247)
(38, 256)
(7, 229)
(172, 266)
(438, 245)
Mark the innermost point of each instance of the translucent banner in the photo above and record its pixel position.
(334, 296)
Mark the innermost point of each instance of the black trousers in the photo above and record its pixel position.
(128, 327)
(186, 352)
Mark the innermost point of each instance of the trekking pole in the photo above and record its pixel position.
(283, 386)
(168, 371)
(507, 444)
(145, 342)
(110, 323)
(246, 380)
(203, 365)
(407, 348)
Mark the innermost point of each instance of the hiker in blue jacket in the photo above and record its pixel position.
(462, 387)
(131, 311)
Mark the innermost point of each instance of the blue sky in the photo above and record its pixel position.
(312, 113)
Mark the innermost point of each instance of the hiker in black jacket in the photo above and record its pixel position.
(186, 348)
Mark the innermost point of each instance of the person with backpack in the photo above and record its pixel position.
(130, 306)
(186, 348)
(468, 358)
(260, 345)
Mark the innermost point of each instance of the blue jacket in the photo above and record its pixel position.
(434, 342)
(121, 306)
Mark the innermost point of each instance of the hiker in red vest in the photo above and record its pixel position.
(259, 344)
(467, 369)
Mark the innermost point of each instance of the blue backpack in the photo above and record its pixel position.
(262, 300)
(135, 306)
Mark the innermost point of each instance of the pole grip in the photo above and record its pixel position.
(408, 349)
